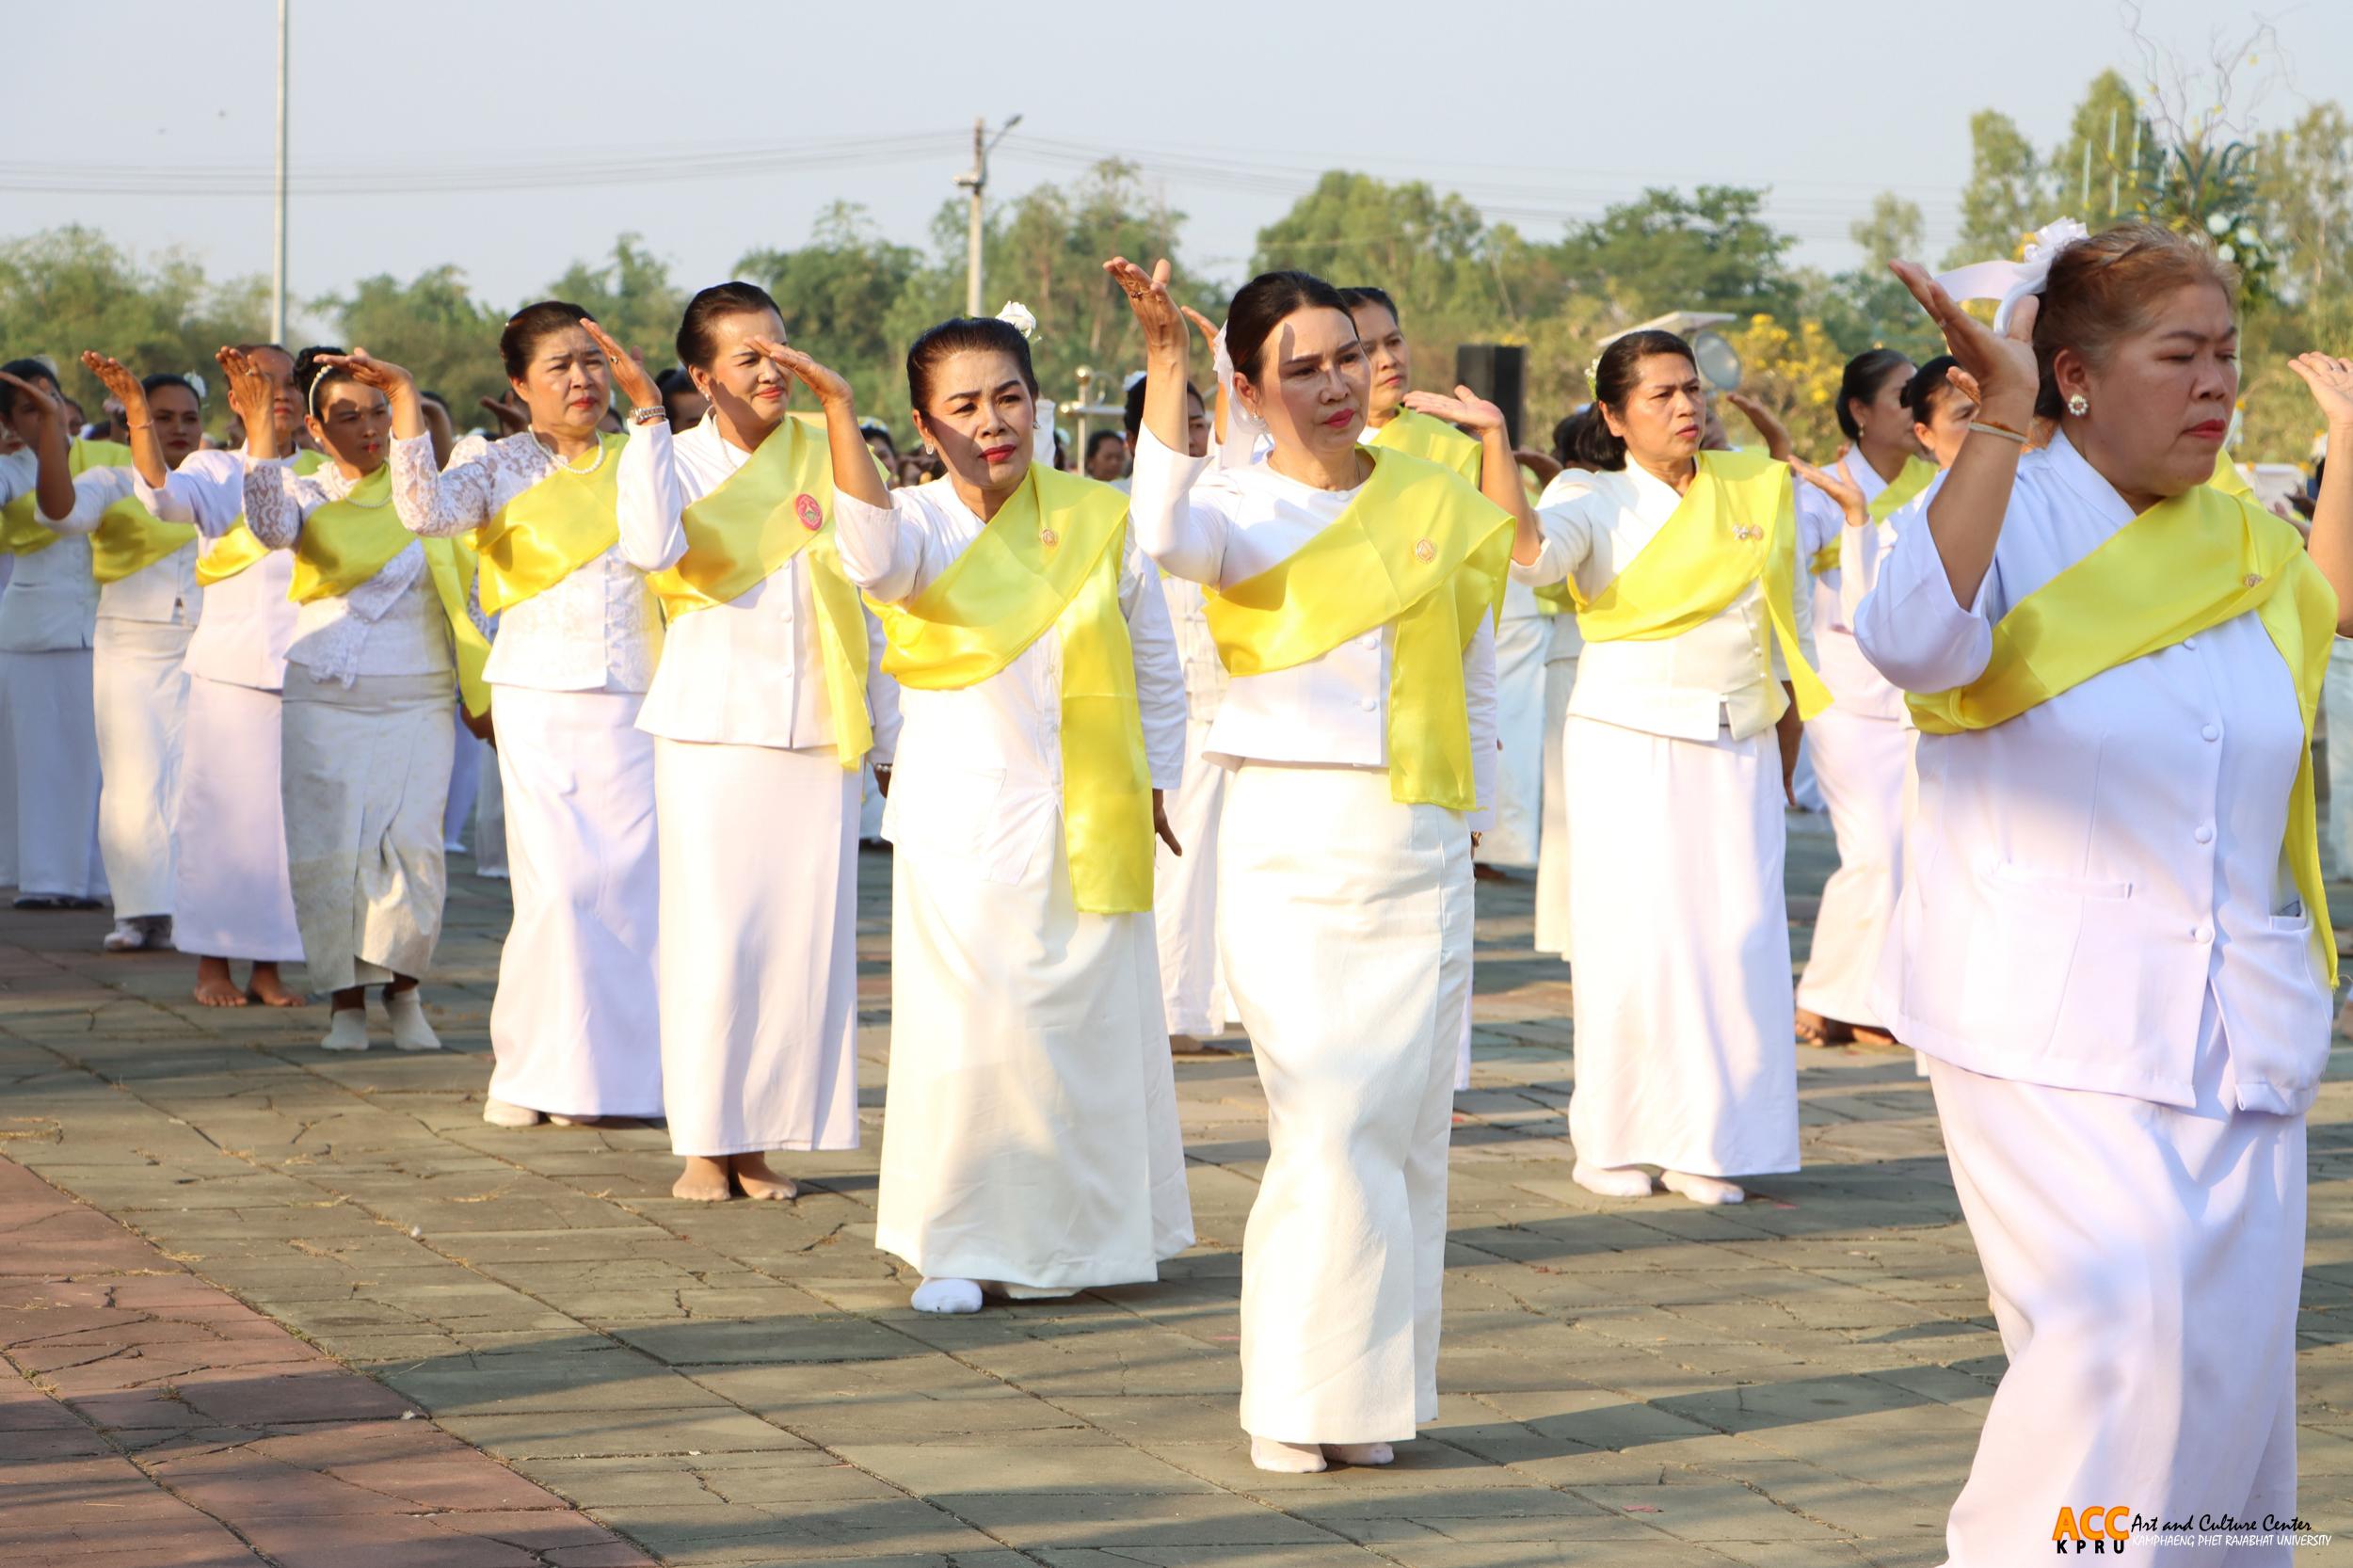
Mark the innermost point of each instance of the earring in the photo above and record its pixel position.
(2079, 405)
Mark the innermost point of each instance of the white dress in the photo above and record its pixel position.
(757, 822)
(48, 615)
(574, 1026)
(1184, 887)
(1344, 922)
(2102, 952)
(233, 894)
(1523, 639)
(1552, 845)
(365, 748)
(1679, 930)
(1031, 1136)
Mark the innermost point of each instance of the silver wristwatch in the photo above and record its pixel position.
(651, 414)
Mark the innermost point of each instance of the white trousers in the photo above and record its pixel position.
(758, 952)
(1520, 646)
(1686, 1052)
(51, 714)
(1861, 763)
(1345, 918)
(1031, 1136)
(2146, 1263)
(364, 773)
(465, 781)
(1552, 854)
(141, 700)
(575, 1026)
(1184, 897)
(233, 895)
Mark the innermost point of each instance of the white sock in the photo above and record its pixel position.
(347, 1030)
(500, 1112)
(1613, 1182)
(947, 1295)
(1700, 1189)
(409, 1029)
(1290, 1459)
(1360, 1453)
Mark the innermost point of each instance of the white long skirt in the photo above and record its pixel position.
(141, 697)
(1346, 921)
(1552, 849)
(1679, 934)
(364, 773)
(575, 1026)
(2145, 1263)
(1031, 1136)
(50, 710)
(1184, 898)
(758, 953)
(233, 895)
(1861, 764)
(1520, 645)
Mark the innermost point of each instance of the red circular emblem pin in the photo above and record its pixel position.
(811, 515)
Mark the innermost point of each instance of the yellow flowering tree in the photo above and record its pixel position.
(1796, 375)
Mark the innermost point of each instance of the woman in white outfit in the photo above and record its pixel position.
(233, 896)
(761, 716)
(575, 1026)
(2113, 946)
(1361, 729)
(385, 632)
(1030, 1144)
(48, 619)
(1683, 568)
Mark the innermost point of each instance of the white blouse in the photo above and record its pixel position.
(391, 624)
(748, 672)
(1222, 526)
(248, 619)
(1861, 691)
(978, 772)
(599, 630)
(2079, 878)
(1727, 672)
(163, 592)
(51, 603)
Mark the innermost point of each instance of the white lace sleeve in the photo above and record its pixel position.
(441, 502)
(271, 510)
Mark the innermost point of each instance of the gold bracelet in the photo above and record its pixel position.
(1988, 427)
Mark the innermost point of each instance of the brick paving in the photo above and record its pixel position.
(261, 1303)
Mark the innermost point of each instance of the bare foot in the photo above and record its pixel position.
(270, 991)
(758, 1180)
(214, 987)
(1875, 1038)
(1812, 1028)
(705, 1180)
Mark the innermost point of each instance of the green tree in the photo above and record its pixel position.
(2003, 201)
(1431, 252)
(630, 296)
(2304, 187)
(1711, 250)
(2093, 175)
(433, 326)
(837, 294)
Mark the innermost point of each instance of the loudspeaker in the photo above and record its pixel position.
(1498, 373)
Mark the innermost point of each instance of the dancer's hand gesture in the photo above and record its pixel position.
(121, 385)
(2002, 364)
(629, 368)
(1778, 445)
(1466, 408)
(1843, 491)
(1156, 312)
(826, 385)
(2330, 381)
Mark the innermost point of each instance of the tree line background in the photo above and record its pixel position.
(2280, 201)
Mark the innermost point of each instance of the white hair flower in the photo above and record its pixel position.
(1016, 315)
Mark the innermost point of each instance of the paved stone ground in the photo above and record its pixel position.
(1796, 1381)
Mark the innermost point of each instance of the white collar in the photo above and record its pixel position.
(2085, 485)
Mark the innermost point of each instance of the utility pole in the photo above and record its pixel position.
(278, 271)
(974, 180)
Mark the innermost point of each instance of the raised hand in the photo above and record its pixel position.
(1147, 294)
(2002, 365)
(1963, 383)
(2330, 380)
(1847, 495)
(629, 368)
(1203, 325)
(253, 399)
(827, 386)
(1466, 408)
(121, 385)
(48, 407)
(1777, 443)
(512, 417)
(369, 371)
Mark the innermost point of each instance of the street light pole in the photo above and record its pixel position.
(278, 271)
(974, 180)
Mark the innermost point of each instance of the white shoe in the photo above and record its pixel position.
(1613, 1182)
(1700, 1189)
(1288, 1459)
(947, 1295)
(409, 1029)
(347, 1030)
(500, 1113)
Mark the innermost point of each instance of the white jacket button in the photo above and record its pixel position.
(2211, 732)
(2201, 934)
(2205, 834)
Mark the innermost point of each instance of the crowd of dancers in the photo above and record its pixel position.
(1223, 741)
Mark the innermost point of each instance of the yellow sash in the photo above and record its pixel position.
(2226, 479)
(778, 503)
(1421, 436)
(21, 532)
(1736, 525)
(552, 530)
(1050, 559)
(238, 548)
(346, 542)
(2185, 565)
(129, 537)
(1915, 477)
(1418, 547)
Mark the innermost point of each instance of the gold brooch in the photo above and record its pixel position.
(1425, 550)
(1047, 538)
(2254, 580)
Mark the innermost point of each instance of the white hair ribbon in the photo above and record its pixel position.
(1244, 430)
(2011, 281)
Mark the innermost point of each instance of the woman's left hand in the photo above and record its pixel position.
(1848, 497)
(829, 387)
(1159, 824)
(2330, 381)
(1777, 443)
(479, 725)
(1156, 312)
(1466, 408)
(629, 368)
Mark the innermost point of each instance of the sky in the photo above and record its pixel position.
(514, 140)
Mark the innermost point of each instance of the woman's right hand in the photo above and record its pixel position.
(369, 371)
(1156, 312)
(2002, 364)
(2330, 381)
(121, 385)
(629, 369)
(513, 418)
(252, 399)
(48, 409)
